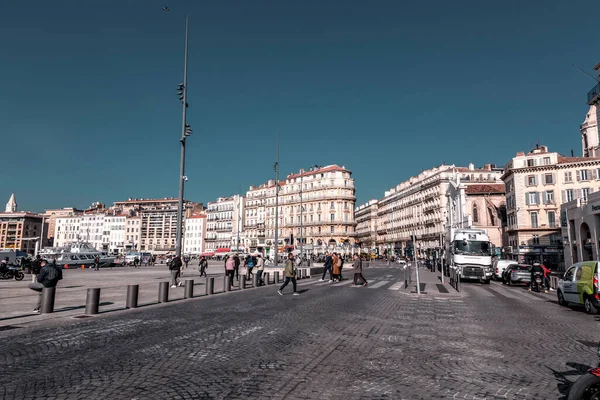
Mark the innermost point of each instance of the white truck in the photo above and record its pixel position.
(469, 252)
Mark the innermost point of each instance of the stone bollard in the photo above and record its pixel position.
(210, 286)
(92, 301)
(225, 282)
(227, 285)
(276, 277)
(48, 294)
(163, 292)
(132, 296)
(189, 288)
(266, 278)
(254, 280)
(242, 284)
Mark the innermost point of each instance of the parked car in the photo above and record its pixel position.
(579, 286)
(517, 274)
(498, 268)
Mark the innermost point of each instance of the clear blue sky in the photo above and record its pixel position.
(89, 112)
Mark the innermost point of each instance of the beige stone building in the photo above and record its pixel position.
(224, 219)
(19, 230)
(316, 205)
(537, 183)
(155, 229)
(417, 208)
(486, 204)
(590, 134)
(366, 226)
(50, 217)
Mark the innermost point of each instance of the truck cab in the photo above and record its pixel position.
(471, 254)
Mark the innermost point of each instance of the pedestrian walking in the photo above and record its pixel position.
(358, 271)
(48, 277)
(203, 265)
(96, 263)
(175, 269)
(260, 267)
(230, 269)
(327, 266)
(237, 261)
(249, 266)
(337, 265)
(289, 273)
(36, 265)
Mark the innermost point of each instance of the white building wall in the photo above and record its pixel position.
(195, 230)
(66, 230)
(116, 228)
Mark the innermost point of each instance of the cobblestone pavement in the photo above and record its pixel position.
(340, 342)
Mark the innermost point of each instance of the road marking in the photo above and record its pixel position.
(342, 283)
(513, 294)
(377, 285)
(396, 286)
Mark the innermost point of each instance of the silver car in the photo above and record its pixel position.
(517, 273)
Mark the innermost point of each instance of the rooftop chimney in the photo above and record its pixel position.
(471, 167)
(520, 154)
(487, 167)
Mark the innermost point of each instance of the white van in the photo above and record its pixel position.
(499, 266)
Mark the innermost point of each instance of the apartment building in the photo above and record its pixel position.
(366, 226)
(114, 228)
(91, 230)
(195, 230)
(224, 222)
(581, 229)
(50, 219)
(158, 219)
(537, 183)
(590, 133)
(66, 230)
(416, 210)
(255, 210)
(19, 230)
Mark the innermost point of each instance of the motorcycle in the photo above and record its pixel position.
(12, 272)
(538, 282)
(587, 387)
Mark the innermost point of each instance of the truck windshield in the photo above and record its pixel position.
(472, 248)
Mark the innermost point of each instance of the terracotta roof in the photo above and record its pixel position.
(328, 168)
(480, 189)
(566, 160)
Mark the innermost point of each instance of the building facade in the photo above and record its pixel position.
(50, 220)
(580, 224)
(114, 225)
(366, 226)
(66, 230)
(537, 184)
(158, 217)
(416, 209)
(195, 230)
(224, 219)
(590, 134)
(20, 231)
(91, 230)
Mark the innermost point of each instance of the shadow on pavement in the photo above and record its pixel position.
(563, 383)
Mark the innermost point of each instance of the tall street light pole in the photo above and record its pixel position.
(301, 215)
(185, 132)
(276, 167)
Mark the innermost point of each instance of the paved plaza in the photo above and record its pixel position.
(334, 341)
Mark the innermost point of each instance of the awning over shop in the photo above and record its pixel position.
(223, 250)
(208, 254)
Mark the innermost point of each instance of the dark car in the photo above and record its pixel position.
(517, 274)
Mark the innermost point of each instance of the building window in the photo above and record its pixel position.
(531, 181)
(532, 198)
(548, 179)
(549, 197)
(319, 230)
(554, 238)
(583, 175)
(585, 192)
(546, 160)
(475, 214)
(568, 177)
(551, 219)
(331, 229)
(569, 195)
(332, 217)
(332, 206)
(534, 219)
(536, 239)
(531, 162)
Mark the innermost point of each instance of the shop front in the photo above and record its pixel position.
(550, 256)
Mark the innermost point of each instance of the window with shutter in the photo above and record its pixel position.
(527, 198)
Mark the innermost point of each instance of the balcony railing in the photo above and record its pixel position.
(593, 95)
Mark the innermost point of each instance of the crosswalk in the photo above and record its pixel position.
(374, 283)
